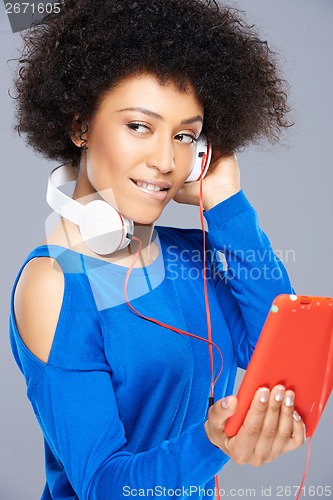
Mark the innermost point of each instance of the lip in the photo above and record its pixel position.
(161, 184)
(156, 195)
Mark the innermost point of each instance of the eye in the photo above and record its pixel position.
(136, 126)
(187, 138)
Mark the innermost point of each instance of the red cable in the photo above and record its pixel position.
(178, 330)
(327, 384)
(217, 488)
(325, 391)
(156, 321)
(208, 319)
(209, 339)
(122, 229)
(305, 470)
(209, 326)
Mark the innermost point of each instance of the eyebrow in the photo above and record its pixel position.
(145, 111)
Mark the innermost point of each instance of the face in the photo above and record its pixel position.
(141, 146)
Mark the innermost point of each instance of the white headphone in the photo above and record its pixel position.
(103, 229)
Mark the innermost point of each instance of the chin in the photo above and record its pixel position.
(142, 213)
(145, 217)
(145, 220)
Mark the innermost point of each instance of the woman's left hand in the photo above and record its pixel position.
(221, 181)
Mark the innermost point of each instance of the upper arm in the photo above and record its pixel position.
(37, 303)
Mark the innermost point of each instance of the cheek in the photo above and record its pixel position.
(113, 149)
(102, 145)
(108, 164)
(184, 163)
(102, 170)
(102, 180)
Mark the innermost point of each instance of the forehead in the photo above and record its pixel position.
(147, 91)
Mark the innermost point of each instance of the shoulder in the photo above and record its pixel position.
(37, 304)
(183, 235)
(184, 238)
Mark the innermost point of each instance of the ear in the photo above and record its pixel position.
(79, 131)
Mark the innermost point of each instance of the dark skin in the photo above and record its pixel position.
(158, 148)
(272, 426)
(270, 429)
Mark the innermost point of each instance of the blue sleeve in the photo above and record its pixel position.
(79, 416)
(74, 398)
(254, 277)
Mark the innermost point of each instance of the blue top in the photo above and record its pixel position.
(122, 401)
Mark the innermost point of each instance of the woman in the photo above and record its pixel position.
(121, 92)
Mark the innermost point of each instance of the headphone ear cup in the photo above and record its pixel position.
(103, 229)
(203, 147)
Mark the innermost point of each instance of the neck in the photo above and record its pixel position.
(144, 232)
(84, 191)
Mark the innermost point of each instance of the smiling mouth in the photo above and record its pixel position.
(149, 186)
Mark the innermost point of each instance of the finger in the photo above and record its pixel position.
(286, 425)
(218, 414)
(248, 435)
(298, 435)
(270, 426)
(188, 193)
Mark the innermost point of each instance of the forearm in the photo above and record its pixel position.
(188, 461)
(90, 442)
(255, 275)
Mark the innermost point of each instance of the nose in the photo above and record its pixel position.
(162, 156)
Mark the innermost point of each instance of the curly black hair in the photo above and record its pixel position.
(71, 59)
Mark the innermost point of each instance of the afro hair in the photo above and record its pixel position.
(70, 59)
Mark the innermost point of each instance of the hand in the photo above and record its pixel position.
(221, 181)
(271, 427)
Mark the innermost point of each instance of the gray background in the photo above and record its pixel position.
(290, 186)
(21, 15)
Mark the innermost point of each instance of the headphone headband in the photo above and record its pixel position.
(103, 229)
(61, 203)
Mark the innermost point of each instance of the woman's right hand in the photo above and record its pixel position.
(271, 427)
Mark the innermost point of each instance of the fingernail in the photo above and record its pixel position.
(264, 395)
(225, 403)
(296, 416)
(279, 395)
(289, 400)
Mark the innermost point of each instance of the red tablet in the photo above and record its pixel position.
(295, 349)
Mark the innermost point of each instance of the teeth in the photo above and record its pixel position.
(150, 187)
